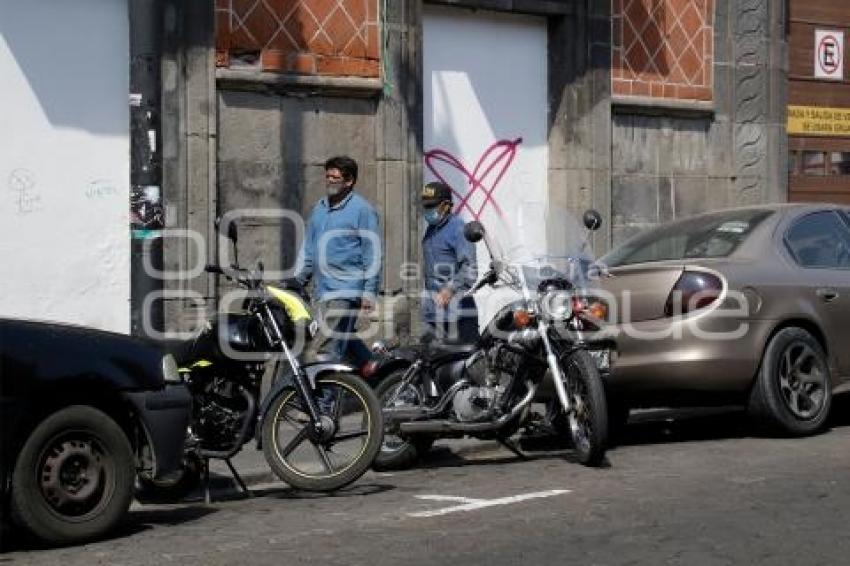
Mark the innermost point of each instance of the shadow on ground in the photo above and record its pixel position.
(646, 427)
(137, 521)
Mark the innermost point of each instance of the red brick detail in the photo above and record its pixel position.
(326, 37)
(640, 88)
(276, 59)
(303, 63)
(663, 48)
(347, 66)
(622, 87)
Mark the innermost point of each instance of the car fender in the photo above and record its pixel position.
(164, 417)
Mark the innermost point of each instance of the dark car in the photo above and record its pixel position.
(82, 413)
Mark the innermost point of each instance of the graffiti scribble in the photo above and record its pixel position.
(484, 177)
(22, 182)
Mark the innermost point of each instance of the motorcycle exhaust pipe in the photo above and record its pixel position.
(393, 414)
(443, 426)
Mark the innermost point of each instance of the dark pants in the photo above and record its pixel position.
(462, 331)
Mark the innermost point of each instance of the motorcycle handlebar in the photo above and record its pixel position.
(240, 276)
(489, 278)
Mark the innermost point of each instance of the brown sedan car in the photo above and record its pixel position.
(748, 305)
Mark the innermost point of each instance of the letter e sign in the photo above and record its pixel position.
(829, 54)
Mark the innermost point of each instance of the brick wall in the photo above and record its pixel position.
(313, 37)
(663, 48)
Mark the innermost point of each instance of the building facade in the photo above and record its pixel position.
(647, 110)
(818, 102)
(532, 110)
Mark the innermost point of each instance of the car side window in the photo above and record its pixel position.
(820, 240)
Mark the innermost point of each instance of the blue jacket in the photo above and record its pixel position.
(448, 261)
(341, 249)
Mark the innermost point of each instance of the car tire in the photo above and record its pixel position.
(792, 393)
(73, 479)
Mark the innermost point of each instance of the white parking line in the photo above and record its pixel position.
(468, 504)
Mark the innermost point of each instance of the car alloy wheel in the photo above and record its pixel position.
(802, 380)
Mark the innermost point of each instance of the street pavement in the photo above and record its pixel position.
(681, 489)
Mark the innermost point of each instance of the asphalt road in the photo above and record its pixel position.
(690, 491)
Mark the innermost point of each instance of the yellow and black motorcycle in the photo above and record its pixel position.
(319, 426)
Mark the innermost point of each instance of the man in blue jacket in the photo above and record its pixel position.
(450, 269)
(342, 254)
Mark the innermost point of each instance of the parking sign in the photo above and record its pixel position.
(829, 54)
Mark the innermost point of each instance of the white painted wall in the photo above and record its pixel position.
(485, 80)
(64, 161)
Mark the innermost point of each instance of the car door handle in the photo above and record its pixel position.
(827, 294)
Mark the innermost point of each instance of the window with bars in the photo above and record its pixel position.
(819, 163)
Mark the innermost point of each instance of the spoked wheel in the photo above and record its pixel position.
(73, 479)
(587, 422)
(333, 455)
(398, 452)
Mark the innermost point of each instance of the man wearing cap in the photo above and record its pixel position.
(450, 269)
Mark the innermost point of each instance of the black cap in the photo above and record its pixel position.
(434, 193)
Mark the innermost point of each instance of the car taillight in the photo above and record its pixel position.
(693, 291)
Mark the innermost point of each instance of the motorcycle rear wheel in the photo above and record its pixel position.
(288, 442)
(587, 422)
(399, 452)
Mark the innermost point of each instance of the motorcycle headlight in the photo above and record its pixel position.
(558, 305)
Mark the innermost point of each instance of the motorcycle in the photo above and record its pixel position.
(319, 426)
(485, 390)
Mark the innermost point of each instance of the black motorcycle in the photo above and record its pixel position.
(485, 390)
(319, 426)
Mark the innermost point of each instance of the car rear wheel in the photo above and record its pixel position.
(73, 479)
(792, 393)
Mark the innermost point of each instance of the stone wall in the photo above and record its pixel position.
(271, 156)
(674, 159)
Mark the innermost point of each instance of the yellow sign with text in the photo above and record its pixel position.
(818, 121)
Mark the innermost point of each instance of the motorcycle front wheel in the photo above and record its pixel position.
(353, 429)
(587, 422)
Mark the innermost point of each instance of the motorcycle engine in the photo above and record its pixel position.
(471, 404)
(491, 374)
(218, 415)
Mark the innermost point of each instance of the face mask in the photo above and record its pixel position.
(433, 215)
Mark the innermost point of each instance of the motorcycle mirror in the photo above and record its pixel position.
(232, 232)
(473, 231)
(592, 220)
(260, 267)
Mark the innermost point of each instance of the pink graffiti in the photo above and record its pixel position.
(484, 177)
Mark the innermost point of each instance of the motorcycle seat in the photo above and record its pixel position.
(448, 351)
